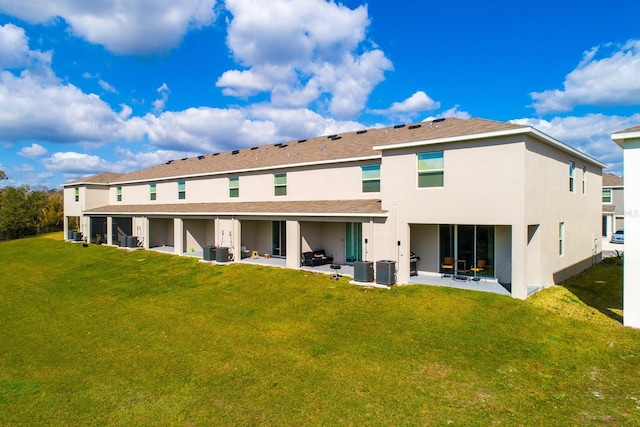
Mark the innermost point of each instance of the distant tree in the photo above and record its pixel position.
(3, 175)
(26, 211)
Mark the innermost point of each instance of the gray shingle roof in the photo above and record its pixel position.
(611, 180)
(328, 148)
(319, 207)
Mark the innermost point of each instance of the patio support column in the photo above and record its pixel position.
(518, 261)
(109, 230)
(65, 227)
(236, 236)
(178, 236)
(145, 232)
(402, 254)
(294, 248)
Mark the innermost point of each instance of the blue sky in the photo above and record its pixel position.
(118, 85)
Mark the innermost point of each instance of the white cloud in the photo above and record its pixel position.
(15, 52)
(590, 134)
(33, 151)
(39, 108)
(325, 56)
(76, 163)
(158, 104)
(106, 86)
(416, 103)
(451, 112)
(140, 27)
(609, 81)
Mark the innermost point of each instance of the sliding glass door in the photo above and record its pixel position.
(354, 241)
(473, 245)
(279, 238)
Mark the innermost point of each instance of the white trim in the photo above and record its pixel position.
(257, 169)
(270, 214)
(620, 137)
(495, 134)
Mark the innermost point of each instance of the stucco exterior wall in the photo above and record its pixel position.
(333, 182)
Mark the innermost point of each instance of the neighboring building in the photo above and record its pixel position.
(629, 140)
(523, 203)
(612, 204)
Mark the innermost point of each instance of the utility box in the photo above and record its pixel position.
(222, 254)
(209, 253)
(123, 241)
(386, 272)
(363, 271)
(132, 241)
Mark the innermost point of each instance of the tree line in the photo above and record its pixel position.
(27, 211)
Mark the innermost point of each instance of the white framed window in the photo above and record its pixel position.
(152, 191)
(76, 194)
(119, 194)
(572, 167)
(431, 169)
(234, 186)
(584, 180)
(561, 239)
(371, 179)
(182, 190)
(280, 184)
(606, 196)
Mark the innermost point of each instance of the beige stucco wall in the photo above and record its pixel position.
(334, 182)
(548, 202)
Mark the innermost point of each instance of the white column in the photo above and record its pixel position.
(109, 230)
(631, 288)
(518, 261)
(294, 248)
(178, 236)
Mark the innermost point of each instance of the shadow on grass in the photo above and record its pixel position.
(600, 287)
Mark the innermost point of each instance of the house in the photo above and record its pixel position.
(524, 205)
(612, 204)
(629, 140)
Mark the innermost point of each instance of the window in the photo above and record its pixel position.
(152, 191)
(561, 239)
(76, 192)
(371, 179)
(280, 184)
(431, 169)
(606, 195)
(234, 186)
(572, 167)
(182, 190)
(119, 194)
(584, 180)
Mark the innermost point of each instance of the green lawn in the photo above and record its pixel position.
(103, 336)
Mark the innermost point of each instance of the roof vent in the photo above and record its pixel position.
(278, 144)
(234, 152)
(439, 120)
(300, 141)
(169, 162)
(282, 145)
(184, 158)
(360, 132)
(335, 138)
(215, 154)
(254, 148)
(332, 136)
(414, 126)
(398, 126)
(200, 157)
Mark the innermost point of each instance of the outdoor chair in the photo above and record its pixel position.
(447, 265)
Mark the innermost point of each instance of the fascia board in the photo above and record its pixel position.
(619, 138)
(270, 214)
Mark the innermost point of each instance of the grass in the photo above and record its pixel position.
(103, 336)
